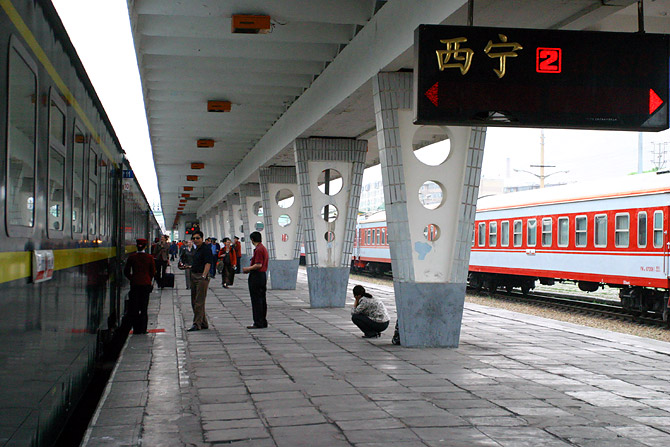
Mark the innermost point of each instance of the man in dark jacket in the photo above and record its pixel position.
(140, 269)
(202, 261)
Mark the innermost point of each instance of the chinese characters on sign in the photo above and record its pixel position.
(463, 56)
(483, 76)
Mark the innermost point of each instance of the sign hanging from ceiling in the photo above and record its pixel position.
(541, 78)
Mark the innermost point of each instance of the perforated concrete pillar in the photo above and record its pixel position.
(430, 248)
(283, 226)
(252, 215)
(236, 224)
(328, 245)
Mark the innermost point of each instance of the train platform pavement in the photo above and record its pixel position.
(311, 380)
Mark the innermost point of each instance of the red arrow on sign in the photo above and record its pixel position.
(654, 101)
(431, 94)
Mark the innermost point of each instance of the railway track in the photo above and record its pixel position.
(581, 304)
(576, 303)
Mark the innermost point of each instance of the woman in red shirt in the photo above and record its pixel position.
(228, 256)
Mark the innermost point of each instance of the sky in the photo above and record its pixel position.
(100, 31)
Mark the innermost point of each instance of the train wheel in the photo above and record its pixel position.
(508, 288)
(525, 289)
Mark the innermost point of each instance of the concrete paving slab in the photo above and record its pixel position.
(311, 380)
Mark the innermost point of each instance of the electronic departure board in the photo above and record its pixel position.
(541, 78)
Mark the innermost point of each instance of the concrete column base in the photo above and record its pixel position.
(429, 314)
(283, 273)
(327, 286)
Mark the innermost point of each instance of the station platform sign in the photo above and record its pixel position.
(541, 78)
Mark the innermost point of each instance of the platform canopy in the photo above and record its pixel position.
(307, 75)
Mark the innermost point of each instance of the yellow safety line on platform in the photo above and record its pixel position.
(30, 39)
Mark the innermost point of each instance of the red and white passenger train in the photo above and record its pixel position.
(612, 232)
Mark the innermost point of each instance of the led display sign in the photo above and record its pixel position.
(541, 78)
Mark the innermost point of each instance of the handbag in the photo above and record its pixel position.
(219, 266)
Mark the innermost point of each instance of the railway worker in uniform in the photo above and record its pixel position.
(202, 261)
(162, 259)
(258, 281)
(140, 269)
(369, 313)
(229, 258)
(238, 253)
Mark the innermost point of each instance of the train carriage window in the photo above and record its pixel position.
(600, 230)
(92, 194)
(531, 232)
(621, 230)
(481, 234)
(56, 173)
(642, 229)
(563, 231)
(383, 236)
(493, 234)
(21, 139)
(546, 232)
(367, 237)
(504, 234)
(518, 233)
(658, 229)
(78, 180)
(581, 226)
(378, 234)
(102, 225)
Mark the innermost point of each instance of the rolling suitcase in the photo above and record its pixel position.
(167, 280)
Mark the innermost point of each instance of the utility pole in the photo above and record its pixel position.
(542, 175)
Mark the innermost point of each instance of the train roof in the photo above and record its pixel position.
(632, 185)
(379, 216)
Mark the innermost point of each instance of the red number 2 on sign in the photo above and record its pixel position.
(548, 60)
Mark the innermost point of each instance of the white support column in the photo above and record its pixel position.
(283, 228)
(251, 208)
(223, 218)
(329, 215)
(237, 226)
(430, 248)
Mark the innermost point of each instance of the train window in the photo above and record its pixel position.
(21, 138)
(518, 233)
(531, 232)
(658, 229)
(367, 237)
(600, 230)
(642, 229)
(481, 236)
(383, 236)
(621, 229)
(377, 241)
(92, 194)
(580, 231)
(56, 183)
(493, 234)
(546, 232)
(102, 225)
(504, 234)
(563, 231)
(78, 180)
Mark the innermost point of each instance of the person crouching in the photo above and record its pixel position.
(369, 313)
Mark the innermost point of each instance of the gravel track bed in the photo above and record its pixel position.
(624, 327)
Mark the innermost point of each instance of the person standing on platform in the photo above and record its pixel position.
(202, 261)
(258, 281)
(140, 269)
(229, 258)
(162, 259)
(238, 253)
(173, 250)
(369, 313)
(186, 261)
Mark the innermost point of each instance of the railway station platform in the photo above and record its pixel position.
(311, 380)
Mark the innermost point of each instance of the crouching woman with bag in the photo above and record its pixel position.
(369, 314)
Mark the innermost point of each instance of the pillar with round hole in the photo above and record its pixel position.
(283, 227)
(236, 225)
(252, 217)
(431, 180)
(330, 172)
